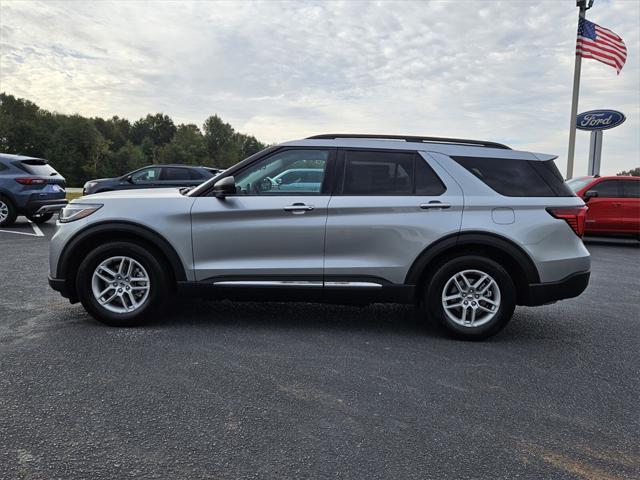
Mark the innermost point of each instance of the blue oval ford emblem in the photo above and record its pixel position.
(599, 119)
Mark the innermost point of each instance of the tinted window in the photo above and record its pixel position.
(607, 189)
(3, 167)
(146, 175)
(37, 167)
(427, 182)
(195, 174)
(267, 176)
(630, 188)
(576, 184)
(378, 173)
(175, 174)
(518, 178)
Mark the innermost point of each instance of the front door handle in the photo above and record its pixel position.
(434, 204)
(298, 208)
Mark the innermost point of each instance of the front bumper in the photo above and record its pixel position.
(60, 285)
(569, 287)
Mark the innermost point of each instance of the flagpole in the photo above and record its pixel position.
(574, 102)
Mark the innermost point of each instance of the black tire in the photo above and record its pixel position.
(434, 292)
(11, 213)
(159, 280)
(40, 219)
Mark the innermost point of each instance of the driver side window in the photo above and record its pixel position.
(146, 175)
(271, 176)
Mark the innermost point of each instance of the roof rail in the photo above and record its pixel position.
(452, 141)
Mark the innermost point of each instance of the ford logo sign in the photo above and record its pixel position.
(599, 119)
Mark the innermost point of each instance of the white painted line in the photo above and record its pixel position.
(36, 231)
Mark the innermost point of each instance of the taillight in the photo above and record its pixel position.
(574, 216)
(31, 181)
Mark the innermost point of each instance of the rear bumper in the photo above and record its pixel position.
(44, 206)
(569, 287)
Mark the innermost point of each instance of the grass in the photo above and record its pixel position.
(73, 195)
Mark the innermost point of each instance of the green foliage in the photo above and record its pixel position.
(83, 148)
(634, 171)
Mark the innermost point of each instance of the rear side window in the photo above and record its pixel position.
(630, 188)
(518, 178)
(607, 189)
(195, 174)
(170, 173)
(36, 166)
(3, 167)
(388, 173)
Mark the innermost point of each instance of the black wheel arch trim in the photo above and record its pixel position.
(478, 238)
(130, 228)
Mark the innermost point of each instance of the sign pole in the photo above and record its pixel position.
(595, 152)
(574, 102)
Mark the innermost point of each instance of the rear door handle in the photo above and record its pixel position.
(434, 205)
(298, 208)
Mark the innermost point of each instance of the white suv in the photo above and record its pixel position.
(467, 229)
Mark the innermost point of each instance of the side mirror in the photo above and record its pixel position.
(128, 178)
(590, 194)
(224, 187)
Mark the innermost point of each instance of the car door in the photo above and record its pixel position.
(604, 213)
(176, 177)
(262, 236)
(630, 205)
(387, 207)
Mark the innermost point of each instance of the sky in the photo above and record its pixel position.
(484, 69)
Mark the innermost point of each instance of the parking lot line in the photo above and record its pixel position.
(36, 231)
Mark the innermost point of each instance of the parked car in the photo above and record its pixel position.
(153, 176)
(465, 228)
(614, 204)
(26, 185)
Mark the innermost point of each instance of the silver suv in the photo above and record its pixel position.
(466, 229)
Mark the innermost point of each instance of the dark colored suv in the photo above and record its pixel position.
(153, 176)
(26, 185)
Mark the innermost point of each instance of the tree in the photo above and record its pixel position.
(82, 148)
(159, 128)
(77, 149)
(219, 137)
(634, 171)
(187, 146)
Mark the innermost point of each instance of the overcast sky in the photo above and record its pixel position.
(283, 70)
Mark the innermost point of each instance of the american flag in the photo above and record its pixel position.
(600, 44)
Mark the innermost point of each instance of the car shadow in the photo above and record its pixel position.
(612, 241)
(372, 319)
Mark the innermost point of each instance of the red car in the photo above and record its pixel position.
(614, 204)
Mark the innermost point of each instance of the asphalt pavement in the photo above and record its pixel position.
(223, 390)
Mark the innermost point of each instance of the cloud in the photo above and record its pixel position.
(282, 70)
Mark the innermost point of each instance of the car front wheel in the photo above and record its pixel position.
(472, 297)
(122, 284)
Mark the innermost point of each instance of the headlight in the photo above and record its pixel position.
(90, 184)
(76, 211)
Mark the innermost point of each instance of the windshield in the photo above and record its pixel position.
(576, 184)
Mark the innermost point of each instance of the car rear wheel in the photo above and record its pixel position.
(122, 284)
(8, 212)
(472, 297)
(40, 219)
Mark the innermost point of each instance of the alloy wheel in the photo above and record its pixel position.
(120, 284)
(471, 298)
